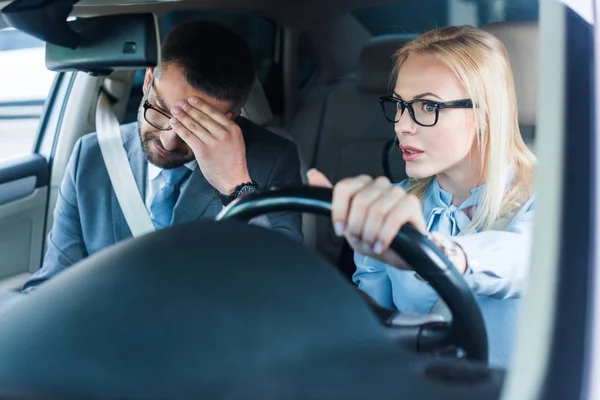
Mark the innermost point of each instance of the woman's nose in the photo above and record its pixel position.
(405, 124)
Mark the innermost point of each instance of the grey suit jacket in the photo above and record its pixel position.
(88, 218)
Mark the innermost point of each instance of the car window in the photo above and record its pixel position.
(24, 87)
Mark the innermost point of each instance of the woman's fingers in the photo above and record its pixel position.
(370, 212)
(406, 210)
(343, 193)
(379, 213)
(362, 209)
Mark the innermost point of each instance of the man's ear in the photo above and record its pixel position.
(147, 79)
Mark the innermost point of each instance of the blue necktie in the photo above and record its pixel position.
(164, 202)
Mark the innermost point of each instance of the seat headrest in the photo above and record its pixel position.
(521, 42)
(376, 64)
(257, 108)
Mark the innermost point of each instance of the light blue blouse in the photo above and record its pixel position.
(498, 260)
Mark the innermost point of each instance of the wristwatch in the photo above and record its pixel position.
(239, 191)
(446, 245)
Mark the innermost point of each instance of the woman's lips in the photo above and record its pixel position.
(410, 153)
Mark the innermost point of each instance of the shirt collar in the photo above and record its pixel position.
(154, 171)
(444, 198)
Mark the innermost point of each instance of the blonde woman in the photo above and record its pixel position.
(471, 176)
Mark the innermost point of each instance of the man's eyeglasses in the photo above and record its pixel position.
(155, 117)
(423, 112)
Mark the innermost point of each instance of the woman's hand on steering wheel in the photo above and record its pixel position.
(370, 212)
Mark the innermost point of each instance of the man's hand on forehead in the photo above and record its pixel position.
(201, 119)
(215, 139)
(202, 105)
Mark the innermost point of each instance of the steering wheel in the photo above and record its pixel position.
(428, 332)
(227, 309)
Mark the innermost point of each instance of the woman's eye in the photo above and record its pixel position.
(427, 107)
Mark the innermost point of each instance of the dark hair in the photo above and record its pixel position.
(214, 60)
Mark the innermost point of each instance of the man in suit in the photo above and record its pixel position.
(190, 151)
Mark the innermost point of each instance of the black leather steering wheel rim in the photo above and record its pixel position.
(467, 327)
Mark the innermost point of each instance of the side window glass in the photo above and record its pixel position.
(24, 87)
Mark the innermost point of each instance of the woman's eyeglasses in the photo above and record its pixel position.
(423, 112)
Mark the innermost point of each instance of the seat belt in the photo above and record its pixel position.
(119, 169)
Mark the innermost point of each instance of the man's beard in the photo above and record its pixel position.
(179, 156)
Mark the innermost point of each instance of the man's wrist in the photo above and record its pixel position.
(229, 189)
(241, 190)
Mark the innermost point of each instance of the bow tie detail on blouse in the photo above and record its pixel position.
(446, 218)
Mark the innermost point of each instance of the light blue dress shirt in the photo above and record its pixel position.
(498, 265)
(498, 261)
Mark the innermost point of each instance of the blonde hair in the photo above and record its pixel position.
(481, 62)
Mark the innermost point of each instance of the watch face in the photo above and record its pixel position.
(440, 240)
(246, 189)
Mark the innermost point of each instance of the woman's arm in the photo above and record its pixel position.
(498, 262)
(372, 278)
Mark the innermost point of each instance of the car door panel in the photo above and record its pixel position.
(20, 177)
(22, 223)
(23, 200)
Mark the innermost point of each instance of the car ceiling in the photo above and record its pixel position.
(292, 12)
(325, 22)
(299, 13)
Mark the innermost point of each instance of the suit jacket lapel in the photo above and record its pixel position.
(196, 195)
(137, 161)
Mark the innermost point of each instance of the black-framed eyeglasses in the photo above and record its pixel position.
(154, 116)
(423, 112)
